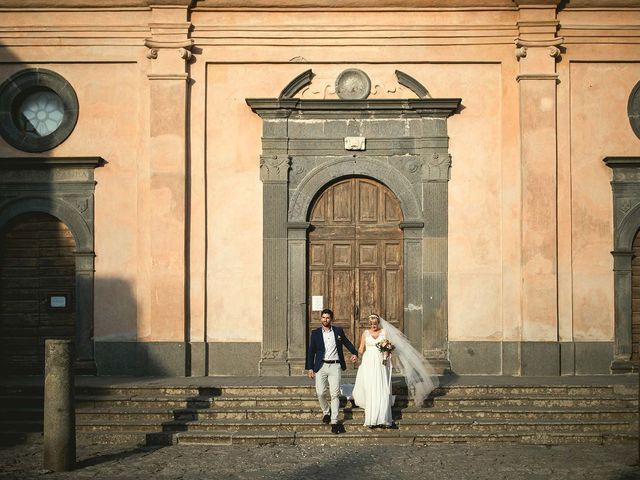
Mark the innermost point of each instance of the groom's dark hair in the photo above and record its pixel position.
(328, 311)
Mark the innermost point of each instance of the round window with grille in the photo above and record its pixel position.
(38, 110)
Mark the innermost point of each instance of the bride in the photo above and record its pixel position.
(372, 390)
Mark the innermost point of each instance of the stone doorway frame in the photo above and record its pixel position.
(304, 148)
(64, 188)
(625, 187)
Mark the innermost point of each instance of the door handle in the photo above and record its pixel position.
(357, 311)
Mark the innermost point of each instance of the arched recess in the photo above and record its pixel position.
(84, 263)
(62, 187)
(37, 290)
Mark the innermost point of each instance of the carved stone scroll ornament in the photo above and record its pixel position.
(551, 45)
(183, 48)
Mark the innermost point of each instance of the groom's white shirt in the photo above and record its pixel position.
(330, 347)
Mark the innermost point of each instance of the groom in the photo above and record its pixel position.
(325, 360)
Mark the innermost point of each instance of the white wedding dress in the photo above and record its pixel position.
(372, 390)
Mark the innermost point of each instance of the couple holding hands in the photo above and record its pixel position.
(372, 390)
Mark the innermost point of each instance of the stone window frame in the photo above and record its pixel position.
(15, 90)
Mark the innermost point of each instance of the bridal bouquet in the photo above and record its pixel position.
(386, 347)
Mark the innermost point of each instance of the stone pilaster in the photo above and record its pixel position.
(274, 171)
(297, 260)
(84, 305)
(169, 53)
(537, 51)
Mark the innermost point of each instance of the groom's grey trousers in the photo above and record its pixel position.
(330, 374)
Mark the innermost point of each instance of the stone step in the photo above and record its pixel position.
(603, 426)
(390, 437)
(266, 390)
(163, 414)
(310, 401)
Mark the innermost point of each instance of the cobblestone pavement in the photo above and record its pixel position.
(442, 462)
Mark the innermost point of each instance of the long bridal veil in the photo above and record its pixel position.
(418, 373)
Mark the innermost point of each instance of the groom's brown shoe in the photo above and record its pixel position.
(335, 428)
(326, 418)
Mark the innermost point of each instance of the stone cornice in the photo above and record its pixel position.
(316, 4)
(270, 107)
(15, 163)
(56, 4)
(622, 162)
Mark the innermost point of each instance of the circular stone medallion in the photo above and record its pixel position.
(353, 84)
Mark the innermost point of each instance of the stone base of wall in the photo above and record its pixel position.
(234, 358)
(531, 358)
(141, 358)
(177, 359)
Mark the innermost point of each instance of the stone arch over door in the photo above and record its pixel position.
(318, 178)
(307, 144)
(62, 188)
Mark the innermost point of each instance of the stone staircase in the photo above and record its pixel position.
(227, 412)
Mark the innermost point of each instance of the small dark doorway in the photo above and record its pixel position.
(635, 304)
(37, 290)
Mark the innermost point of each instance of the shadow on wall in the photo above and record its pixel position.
(117, 350)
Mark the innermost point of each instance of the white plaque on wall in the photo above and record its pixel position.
(316, 303)
(354, 143)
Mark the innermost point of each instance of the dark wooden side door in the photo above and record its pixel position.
(356, 255)
(635, 303)
(37, 261)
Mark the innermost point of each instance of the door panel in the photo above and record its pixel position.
(356, 254)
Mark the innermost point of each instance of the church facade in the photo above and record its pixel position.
(185, 184)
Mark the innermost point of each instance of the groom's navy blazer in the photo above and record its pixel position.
(315, 353)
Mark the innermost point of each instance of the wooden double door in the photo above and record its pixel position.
(356, 255)
(37, 266)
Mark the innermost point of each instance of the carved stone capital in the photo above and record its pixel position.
(183, 47)
(437, 167)
(551, 42)
(274, 168)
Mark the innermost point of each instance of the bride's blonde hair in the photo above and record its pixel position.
(373, 318)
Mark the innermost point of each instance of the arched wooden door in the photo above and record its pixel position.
(356, 255)
(37, 290)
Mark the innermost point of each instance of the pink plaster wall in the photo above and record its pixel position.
(599, 128)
